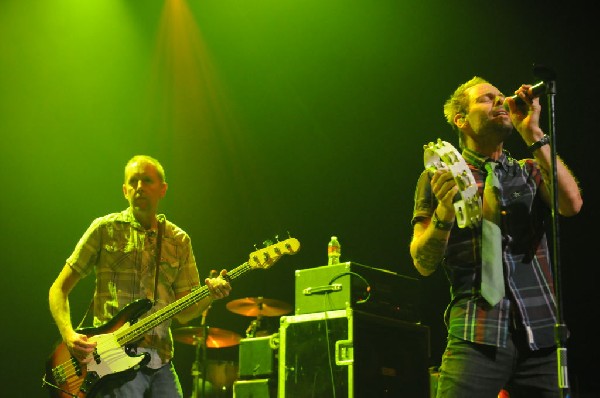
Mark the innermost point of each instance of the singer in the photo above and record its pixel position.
(135, 254)
(502, 312)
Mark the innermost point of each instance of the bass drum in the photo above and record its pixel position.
(220, 376)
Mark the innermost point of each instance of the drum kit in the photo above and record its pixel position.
(219, 376)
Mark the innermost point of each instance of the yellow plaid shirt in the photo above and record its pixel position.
(123, 254)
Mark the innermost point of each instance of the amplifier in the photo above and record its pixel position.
(349, 284)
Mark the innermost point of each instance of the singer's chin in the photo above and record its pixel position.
(505, 124)
(500, 126)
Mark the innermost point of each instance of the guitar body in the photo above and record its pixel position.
(67, 378)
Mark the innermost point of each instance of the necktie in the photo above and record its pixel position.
(492, 275)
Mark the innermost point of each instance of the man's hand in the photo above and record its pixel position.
(218, 287)
(80, 347)
(445, 189)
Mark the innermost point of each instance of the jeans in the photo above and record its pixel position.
(144, 383)
(470, 370)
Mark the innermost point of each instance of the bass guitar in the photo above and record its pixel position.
(66, 377)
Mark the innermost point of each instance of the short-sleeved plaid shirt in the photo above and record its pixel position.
(527, 269)
(122, 254)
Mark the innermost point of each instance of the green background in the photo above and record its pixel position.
(271, 117)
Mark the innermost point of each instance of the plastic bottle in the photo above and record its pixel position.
(334, 250)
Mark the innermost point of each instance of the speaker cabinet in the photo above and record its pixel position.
(348, 354)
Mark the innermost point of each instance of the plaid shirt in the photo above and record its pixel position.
(122, 254)
(527, 269)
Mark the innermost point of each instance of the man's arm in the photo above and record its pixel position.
(527, 124)
(430, 235)
(569, 194)
(428, 246)
(58, 299)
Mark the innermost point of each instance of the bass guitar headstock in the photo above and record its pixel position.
(269, 255)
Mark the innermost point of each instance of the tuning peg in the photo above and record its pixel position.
(277, 238)
(267, 256)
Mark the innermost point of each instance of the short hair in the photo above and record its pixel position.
(147, 159)
(458, 103)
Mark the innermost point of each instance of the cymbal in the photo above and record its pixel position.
(259, 306)
(217, 338)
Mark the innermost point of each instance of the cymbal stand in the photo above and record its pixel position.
(254, 326)
(199, 366)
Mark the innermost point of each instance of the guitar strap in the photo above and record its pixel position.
(86, 314)
(161, 228)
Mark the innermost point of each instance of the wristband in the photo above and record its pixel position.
(439, 224)
(545, 140)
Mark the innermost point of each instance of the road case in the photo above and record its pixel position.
(256, 388)
(352, 354)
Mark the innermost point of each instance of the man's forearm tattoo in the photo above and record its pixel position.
(431, 253)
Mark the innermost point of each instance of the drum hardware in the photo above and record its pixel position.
(203, 337)
(258, 307)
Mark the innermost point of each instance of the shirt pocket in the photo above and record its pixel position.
(169, 270)
(118, 254)
(169, 262)
(518, 222)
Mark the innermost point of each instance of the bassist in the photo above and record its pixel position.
(122, 249)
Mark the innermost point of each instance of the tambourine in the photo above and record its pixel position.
(442, 155)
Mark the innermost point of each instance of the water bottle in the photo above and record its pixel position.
(334, 250)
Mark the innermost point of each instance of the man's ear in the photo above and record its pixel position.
(460, 120)
(125, 191)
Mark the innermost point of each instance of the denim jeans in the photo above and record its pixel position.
(145, 383)
(471, 370)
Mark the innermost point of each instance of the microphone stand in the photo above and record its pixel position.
(560, 331)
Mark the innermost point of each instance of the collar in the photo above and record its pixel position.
(128, 217)
(478, 160)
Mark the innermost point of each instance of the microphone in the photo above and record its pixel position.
(535, 91)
